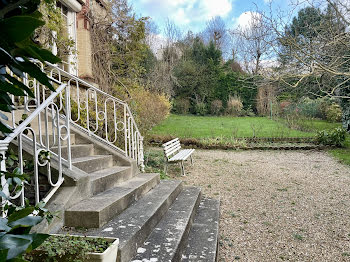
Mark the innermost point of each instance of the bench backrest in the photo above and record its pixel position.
(171, 147)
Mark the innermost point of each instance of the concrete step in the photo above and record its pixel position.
(169, 238)
(91, 164)
(133, 226)
(76, 150)
(203, 239)
(108, 178)
(97, 210)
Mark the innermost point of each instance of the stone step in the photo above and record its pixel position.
(108, 178)
(169, 238)
(90, 164)
(76, 150)
(97, 210)
(203, 239)
(133, 226)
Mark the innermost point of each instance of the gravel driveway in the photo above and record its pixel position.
(277, 205)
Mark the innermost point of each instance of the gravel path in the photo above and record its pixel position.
(277, 205)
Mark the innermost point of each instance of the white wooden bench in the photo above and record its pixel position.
(174, 154)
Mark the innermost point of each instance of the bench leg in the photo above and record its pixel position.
(166, 167)
(183, 168)
(191, 161)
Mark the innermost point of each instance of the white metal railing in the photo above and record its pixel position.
(39, 139)
(101, 115)
(45, 131)
(50, 115)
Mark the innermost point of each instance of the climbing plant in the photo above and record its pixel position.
(54, 31)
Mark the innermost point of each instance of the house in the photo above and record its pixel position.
(76, 16)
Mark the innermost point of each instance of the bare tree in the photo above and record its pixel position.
(314, 47)
(216, 31)
(172, 32)
(252, 43)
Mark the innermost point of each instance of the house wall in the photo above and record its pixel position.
(84, 47)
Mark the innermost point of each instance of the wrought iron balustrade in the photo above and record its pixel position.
(44, 132)
(37, 139)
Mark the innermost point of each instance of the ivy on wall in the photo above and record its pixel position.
(55, 30)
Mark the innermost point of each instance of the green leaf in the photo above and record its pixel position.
(18, 28)
(9, 88)
(34, 71)
(5, 57)
(17, 180)
(19, 84)
(15, 244)
(3, 195)
(17, 259)
(15, 70)
(36, 52)
(3, 254)
(17, 171)
(46, 55)
(27, 221)
(4, 116)
(38, 239)
(3, 225)
(20, 214)
(6, 98)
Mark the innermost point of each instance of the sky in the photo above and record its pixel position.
(193, 14)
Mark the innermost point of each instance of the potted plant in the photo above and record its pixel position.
(75, 248)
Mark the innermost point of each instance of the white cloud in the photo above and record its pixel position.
(246, 19)
(212, 8)
(184, 12)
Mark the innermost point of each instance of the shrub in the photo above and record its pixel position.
(333, 113)
(181, 106)
(248, 112)
(284, 105)
(234, 106)
(149, 108)
(200, 108)
(265, 96)
(216, 107)
(334, 137)
(310, 107)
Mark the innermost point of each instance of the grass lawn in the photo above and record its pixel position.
(343, 154)
(186, 126)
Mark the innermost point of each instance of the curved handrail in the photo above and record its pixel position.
(133, 140)
(70, 76)
(33, 115)
(31, 139)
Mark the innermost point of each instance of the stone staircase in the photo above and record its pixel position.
(102, 191)
(155, 220)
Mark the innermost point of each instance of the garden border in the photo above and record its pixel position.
(294, 143)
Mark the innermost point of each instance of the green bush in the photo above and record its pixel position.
(310, 107)
(333, 113)
(334, 137)
(248, 112)
(200, 109)
(181, 106)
